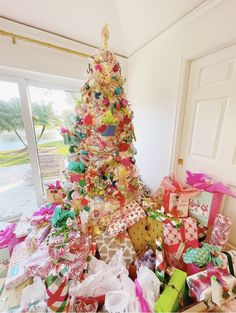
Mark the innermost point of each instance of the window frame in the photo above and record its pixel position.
(24, 79)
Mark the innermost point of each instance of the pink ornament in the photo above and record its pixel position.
(102, 144)
(124, 102)
(98, 67)
(75, 195)
(64, 130)
(126, 162)
(106, 101)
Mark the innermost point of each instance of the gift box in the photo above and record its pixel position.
(124, 218)
(16, 272)
(107, 247)
(221, 231)
(144, 232)
(173, 294)
(88, 304)
(176, 196)
(37, 235)
(204, 206)
(200, 285)
(54, 193)
(39, 263)
(229, 261)
(178, 239)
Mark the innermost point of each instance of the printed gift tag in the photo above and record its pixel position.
(178, 205)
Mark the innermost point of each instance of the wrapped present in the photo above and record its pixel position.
(37, 235)
(176, 196)
(8, 241)
(16, 272)
(57, 289)
(229, 261)
(124, 218)
(54, 193)
(202, 232)
(200, 285)
(23, 227)
(221, 230)
(205, 206)
(86, 304)
(144, 232)
(39, 263)
(148, 259)
(173, 294)
(107, 247)
(160, 264)
(178, 239)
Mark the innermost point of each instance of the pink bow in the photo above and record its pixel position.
(56, 186)
(46, 210)
(6, 235)
(204, 182)
(143, 302)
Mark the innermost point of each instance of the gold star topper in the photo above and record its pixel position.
(105, 36)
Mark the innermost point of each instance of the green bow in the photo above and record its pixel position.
(60, 216)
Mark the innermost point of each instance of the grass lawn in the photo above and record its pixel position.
(12, 157)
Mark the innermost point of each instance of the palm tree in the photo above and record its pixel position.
(11, 117)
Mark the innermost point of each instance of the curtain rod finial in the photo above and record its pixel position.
(105, 36)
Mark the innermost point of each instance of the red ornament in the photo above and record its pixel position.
(126, 119)
(118, 106)
(123, 146)
(106, 102)
(98, 67)
(88, 119)
(102, 128)
(115, 68)
(83, 201)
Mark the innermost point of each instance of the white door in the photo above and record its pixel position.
(209, 132)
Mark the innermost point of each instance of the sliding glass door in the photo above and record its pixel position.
(17, 192)
(32, 150)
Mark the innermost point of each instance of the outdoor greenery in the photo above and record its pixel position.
(11, 117)
(10, 158)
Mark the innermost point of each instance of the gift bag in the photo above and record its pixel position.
(128, 216)
(204, 207)
(178, 239)
(221, 231)
(144, 232)
(229, 261)
(57, 288)
(107, 247)
(173, 294)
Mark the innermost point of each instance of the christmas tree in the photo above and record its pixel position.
(102, 165)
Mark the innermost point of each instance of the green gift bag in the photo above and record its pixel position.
(173, 294)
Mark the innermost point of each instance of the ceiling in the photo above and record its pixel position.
(132, 23)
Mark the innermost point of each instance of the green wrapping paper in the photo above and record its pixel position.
(173, 294)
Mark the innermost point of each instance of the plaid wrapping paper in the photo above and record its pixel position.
(144, 232)
(126, 217)
(187, 233)
(107, 247)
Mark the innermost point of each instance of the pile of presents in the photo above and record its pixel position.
(162, 252)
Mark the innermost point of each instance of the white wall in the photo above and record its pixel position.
(154, 74)
(34, 58)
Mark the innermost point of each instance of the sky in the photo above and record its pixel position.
(59, 99)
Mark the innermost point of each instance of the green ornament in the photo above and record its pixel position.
(72, 149)
(82, 183)
(69, 194)
(86, 208)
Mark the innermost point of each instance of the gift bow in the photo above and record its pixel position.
(46, 210)
(174, 185)
(6, 235)
(56, 186)
(60, 216)
(143, 302)
(203, 281)
(58, 251)
(204, 182)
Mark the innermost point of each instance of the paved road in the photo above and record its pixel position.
(15, 195)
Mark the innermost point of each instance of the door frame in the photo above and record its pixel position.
(185, 65)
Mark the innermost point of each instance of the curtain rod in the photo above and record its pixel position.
(15, 37)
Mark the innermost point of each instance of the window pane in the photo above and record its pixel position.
(51, 109)
(17, 192)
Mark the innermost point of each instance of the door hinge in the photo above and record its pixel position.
(180, 161)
